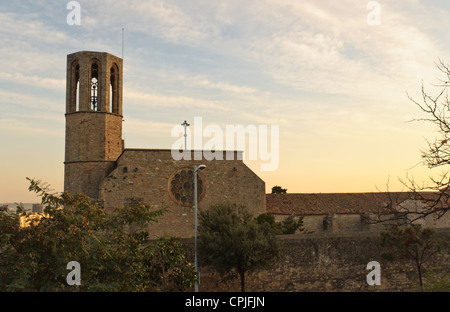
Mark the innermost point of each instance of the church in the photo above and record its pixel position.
(98, 164)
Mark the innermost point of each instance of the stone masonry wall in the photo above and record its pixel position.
(84, 60)
(93, 136)
(328, 263)
(93, 144)
(143, 175)
(342, 223)
(85, 177)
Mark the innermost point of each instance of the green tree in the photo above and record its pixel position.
(287, 226)
(290, 226)
(167, 268)
(113, 249)
(413, 242)
(268, 219)
(232, 242)
(278, 190)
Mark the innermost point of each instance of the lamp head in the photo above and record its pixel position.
(201, 167)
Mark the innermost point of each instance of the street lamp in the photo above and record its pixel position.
(196, 168)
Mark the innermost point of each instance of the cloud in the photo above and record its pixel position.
(27, 101)
(313, 67)
(139, 126)
(34, 80)
(223, 86)
(328, 47)
(139, 99)
(20, 126)
(158, 18)
(30, 26)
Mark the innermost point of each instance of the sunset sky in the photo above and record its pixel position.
(334, 84)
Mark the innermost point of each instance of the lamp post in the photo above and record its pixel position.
(196, 168)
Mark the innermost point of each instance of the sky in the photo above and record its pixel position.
(334, 76)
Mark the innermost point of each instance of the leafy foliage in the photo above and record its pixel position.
(278, 190)
(413, 242)
(290, 226)
(113, 249)
(231, 241)
(167, 267)
(287, 226)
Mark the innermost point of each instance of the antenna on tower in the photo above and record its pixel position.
(122, 41)
(124, 133)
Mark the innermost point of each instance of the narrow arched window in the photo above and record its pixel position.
(112, 93)
(114, 89)
(77, 99)
(94, 87)
(75, 88)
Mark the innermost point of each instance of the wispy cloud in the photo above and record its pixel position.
(154, 100)
(330, 48)
(22, 127)
(222, 86)
(35, 81)
(313, 67)
(30, 101)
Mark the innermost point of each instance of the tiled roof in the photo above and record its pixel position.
(325, 203)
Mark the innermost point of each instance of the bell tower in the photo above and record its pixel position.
(93, 120)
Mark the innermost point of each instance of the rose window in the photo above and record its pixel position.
(181, 187)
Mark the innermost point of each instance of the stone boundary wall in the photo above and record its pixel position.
(328, 263)
(356, 222)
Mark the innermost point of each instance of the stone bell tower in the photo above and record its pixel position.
(93, 120)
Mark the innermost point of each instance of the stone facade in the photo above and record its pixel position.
(330, 263)
(347, 212)
(93, 132)
(109, 76)
(93, 144)
(143, 175)
(97, 164)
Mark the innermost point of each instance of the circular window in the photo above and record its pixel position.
(181, 187)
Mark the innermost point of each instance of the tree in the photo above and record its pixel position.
(435, 195)
(287, 226)
(113, 249)
(414, 242)
(268, 219)
(167, 268)
(278, 190)
(232, 242)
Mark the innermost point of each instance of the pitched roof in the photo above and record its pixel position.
(325, 203)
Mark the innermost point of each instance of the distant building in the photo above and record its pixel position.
(348, 212)
(37, 208)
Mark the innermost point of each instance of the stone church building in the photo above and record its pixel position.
(97, 164)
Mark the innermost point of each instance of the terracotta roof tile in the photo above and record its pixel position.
(325, 203)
